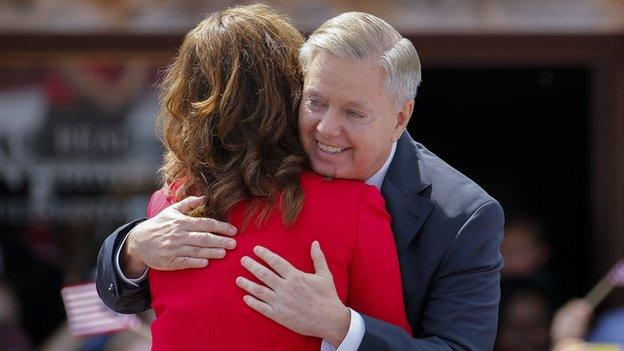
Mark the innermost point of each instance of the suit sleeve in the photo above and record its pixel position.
(375, 279)
(461, 310)
(116, 294)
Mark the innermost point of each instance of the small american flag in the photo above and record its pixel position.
(616, 274)
(87, 314)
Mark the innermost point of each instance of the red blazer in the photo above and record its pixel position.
(203, 309)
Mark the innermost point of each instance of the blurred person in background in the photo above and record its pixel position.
(570, 323)
(572, 326)
(12, 337)
(62, 340)
(127, 341)
(528, 288)
(609, 327)
(526, 250)
(34, 278)
(525, 314)
(527, 253)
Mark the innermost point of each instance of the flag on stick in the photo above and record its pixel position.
(616, 274)
(615, 278)
(87, 314)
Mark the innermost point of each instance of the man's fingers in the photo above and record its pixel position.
(188, 203)
(318, 259)
(209, 240)
(264, 308)
(264, 274)
(208, 225)
(188, 262)
(201, 252)
(276, 262)
(261, 292)
(200, 224)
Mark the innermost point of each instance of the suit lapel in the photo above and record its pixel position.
(403, 187)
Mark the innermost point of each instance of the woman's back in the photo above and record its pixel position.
(203, 309)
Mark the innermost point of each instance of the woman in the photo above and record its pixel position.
(229, 123)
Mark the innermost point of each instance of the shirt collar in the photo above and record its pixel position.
(377, 179)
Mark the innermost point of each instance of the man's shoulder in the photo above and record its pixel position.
(448, 180)
(452, 193)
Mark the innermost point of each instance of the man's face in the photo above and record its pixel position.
(347, 120)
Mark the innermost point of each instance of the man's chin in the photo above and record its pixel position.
(325, 172)
(332, 173)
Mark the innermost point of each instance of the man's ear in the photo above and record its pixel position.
(403, 118)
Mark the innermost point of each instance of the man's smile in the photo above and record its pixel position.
(329, 149)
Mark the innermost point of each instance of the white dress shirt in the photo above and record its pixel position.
(131, 282)
(354, 336)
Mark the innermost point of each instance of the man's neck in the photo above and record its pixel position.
(377, 179)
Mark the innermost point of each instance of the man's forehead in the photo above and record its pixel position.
(350, 98)
(343, 80)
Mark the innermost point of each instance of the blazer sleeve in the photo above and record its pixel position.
(116, 294)
(374, 278)
(461, 310)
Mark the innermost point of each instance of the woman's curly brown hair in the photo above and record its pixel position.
(228, 115)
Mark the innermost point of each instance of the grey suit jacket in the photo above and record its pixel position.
(447, 233)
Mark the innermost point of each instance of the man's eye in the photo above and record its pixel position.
(313, 102)
(354, 114)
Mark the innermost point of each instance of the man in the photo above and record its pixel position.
(361, 78)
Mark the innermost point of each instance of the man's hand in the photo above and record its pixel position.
(171, 240)
(302, 302)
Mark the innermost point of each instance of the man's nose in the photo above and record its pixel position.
(329, 125)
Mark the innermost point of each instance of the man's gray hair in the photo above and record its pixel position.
(359, 36)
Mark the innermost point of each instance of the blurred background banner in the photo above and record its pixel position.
(76, 132)
(79, 156)
(525, 97)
